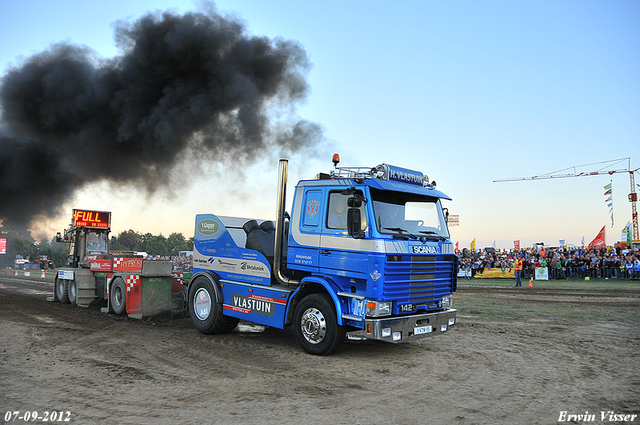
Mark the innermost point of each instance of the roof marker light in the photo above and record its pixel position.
(335, 159)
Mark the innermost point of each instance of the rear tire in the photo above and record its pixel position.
(315, 325)
(205, 307)
(62, 291)
(118, 296)
(72, 290)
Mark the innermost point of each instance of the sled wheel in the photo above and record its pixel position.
(315, 325)
(205, 307)
(118, 296)
(62, 291)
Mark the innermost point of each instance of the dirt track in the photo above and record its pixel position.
(105, 369)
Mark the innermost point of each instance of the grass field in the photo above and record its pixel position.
(593, 284)
(567, 302)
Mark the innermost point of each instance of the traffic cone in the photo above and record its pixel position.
(530, 283)
(42, 275)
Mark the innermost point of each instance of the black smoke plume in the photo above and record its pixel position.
(196, 82)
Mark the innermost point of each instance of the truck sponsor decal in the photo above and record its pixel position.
(208, 227)
(241, 267)
(223, 265)
(128, 264)
(425, 249)
(403, 175)
(303, 259)
(247, 266)
(313, 207)
(100, 265)
(65, 274)
(253, 304)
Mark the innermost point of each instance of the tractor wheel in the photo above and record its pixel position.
(315, 325)
(62, 291)
(72, 291)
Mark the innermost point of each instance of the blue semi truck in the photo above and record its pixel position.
(364, 254)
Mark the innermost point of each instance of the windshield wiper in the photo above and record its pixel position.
(431, 232)
(401, 232)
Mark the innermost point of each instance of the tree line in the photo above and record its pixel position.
(171, 245)
(21, 243)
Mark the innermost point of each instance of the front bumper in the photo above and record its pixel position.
(406, 328)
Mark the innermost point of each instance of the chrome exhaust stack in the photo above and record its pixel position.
(280, 222)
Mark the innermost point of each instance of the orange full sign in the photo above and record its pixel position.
(92, 219)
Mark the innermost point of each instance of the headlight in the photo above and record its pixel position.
(447, 301)
(378, 308)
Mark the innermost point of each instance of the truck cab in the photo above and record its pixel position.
(378, 235)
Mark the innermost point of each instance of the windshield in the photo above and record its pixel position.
(408, 215)
(96, 242)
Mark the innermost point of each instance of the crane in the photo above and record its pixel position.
(608, 167)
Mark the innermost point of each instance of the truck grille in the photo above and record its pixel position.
(421, 280)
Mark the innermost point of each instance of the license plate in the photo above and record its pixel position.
(422, 330)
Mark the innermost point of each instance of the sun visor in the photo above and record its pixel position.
(403, 187)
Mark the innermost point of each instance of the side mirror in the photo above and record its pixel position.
(354, 202)
(58, 237)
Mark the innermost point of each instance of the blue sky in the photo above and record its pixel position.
(467, 92)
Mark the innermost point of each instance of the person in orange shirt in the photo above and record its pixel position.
(517, 265)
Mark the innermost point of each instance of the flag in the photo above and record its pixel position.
(583, 241)
(562, 242)
(599, 240)
(609, 200)
(626, 233)
(473, 245)
(516, 245)
(457, 250)
(494, 244)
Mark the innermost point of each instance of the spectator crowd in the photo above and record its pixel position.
(180, 263)
(562, 263)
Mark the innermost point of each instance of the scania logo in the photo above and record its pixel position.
(425, 250)
(208, 227)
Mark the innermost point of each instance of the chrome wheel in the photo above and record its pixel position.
(314, 325)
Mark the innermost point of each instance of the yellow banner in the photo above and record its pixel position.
(490, 273)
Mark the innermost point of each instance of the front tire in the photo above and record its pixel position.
(315, 325)
(118, 296)
(205, 307)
